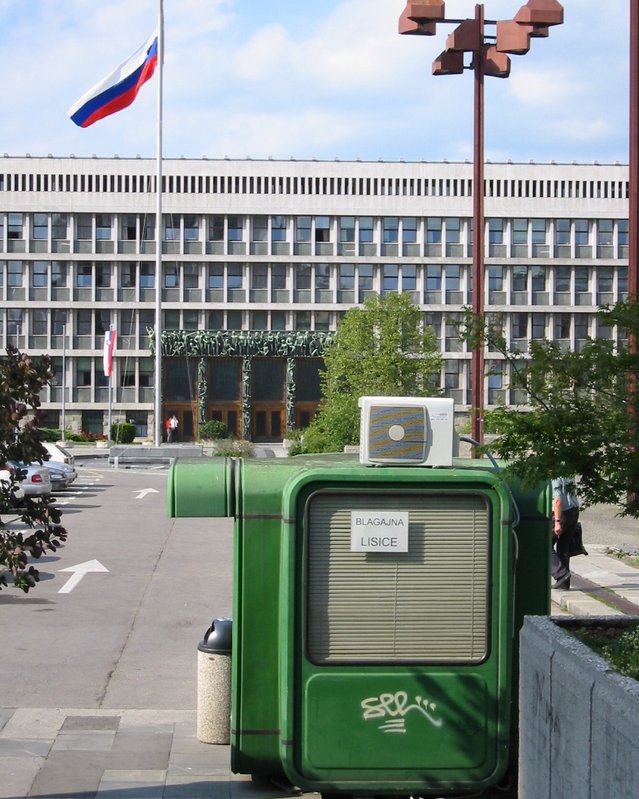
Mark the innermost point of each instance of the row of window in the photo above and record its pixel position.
(84, 329)
(323, 282)
(365, 235)
(276, 184)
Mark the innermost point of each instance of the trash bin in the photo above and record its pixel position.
(214, 684)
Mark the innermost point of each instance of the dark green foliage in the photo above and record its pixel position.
(21, 381)
(619, 647)
(381, 349)
(122, 432)
(583, 412)
(213, 430)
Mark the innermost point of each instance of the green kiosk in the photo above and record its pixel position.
(377, 605)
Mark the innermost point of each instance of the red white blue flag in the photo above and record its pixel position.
(119, 89)
(107, 354)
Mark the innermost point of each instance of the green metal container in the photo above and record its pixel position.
(375, 618)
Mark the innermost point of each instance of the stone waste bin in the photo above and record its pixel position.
(214, 684)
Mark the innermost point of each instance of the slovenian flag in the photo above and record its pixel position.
(119, 89)
(107, 354)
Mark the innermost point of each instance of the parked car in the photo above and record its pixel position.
(61, 474)
(18, 491)
(58, 453)
(36, 480)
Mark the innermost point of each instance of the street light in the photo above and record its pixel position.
(489, 56)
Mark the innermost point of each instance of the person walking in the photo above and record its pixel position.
(565, 507)
(173, 428)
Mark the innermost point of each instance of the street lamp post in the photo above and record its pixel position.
(489, 56)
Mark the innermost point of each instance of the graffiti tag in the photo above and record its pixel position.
(392, 709)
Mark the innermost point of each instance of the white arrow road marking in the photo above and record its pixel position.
(145, 491)
(78, 573)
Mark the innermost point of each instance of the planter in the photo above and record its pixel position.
(579, 719)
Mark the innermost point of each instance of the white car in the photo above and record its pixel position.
(5, 482)
(61, 474)
(58, 453)
(36, 480)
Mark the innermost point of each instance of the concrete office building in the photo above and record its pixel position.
(261, 258)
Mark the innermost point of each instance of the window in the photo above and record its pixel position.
(322, 229)
(235, 276)
(40, 274)
(302, 276)
(171, 320)
(409, 230)
(191, 228)
(128, 227)
(538, 278)
(581, 279)
(148, 228)
(409, 277)
(259, 276)
(495, 231)
(259, 320)
(453, 230)
(102, 322)
(604, 233)
(278, 228)
(346, 280)
(191, 276)
(235, 228)
(216, 228)
(433, 230)
(495, 279)
(259, 228)
(582, 232)
(127, 276)
(216, 276)
(520, 325)
(562, 326)
(102, 226)
(84, 276)
(58, 274)
(58, 322)
(365, 280)
(190, 320)
(171, 228)
(14, 225)
(433, 279)
(171, 276)
(147, 276)
(40, 227)
(15, 274)
(562, 232)
(278, 277)
(538, 325)
(366, 229)
(39, 322)
(390, 280)
(562, 278)
(83, 375)
(234, 320)
(391, 229)
(303, 229)
(84, 227)
(103, 276)
(539, 239)
(347, 230)
(59, 226)
(83, 323)
(520, 278)
(520, 232)
(322, 277)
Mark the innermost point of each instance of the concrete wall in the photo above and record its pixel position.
(579, 720)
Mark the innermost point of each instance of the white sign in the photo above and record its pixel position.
(379, 531)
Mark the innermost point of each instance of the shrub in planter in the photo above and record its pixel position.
(234, 449)
(122, 432)
(213, 430)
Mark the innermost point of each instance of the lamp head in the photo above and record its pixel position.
(542, 13)
(450, 62)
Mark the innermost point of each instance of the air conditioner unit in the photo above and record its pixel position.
(406, 431)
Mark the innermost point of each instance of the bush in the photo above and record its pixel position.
(50, 434)
(234, 449)
(122, 432)
(213, 430)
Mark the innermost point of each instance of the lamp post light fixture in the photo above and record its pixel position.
(489, 55)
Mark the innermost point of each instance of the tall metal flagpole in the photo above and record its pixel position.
(158, 239)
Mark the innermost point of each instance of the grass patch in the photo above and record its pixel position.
(619, 646)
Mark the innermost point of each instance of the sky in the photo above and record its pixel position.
(299, 79)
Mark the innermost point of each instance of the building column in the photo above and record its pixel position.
(202, 391)
(246, 398)
(290, 393)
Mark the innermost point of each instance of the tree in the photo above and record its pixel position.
(381, 349)
(34, 526)
(583, 412)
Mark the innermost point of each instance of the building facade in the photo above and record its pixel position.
(261, 259)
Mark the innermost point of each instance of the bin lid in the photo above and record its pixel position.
(217, 639)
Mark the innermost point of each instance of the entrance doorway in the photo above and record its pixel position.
(268, 406)
(185, 416)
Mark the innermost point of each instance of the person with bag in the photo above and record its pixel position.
(565, 506)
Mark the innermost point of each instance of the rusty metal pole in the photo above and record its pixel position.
(633, 161)
(477, 361)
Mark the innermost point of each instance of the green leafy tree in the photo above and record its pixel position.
(583, 412)
(32, 527)
(381, 349)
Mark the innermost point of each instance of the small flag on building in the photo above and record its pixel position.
(107, 355)
(119, 89)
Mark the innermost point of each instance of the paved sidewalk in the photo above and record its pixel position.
(115, 754)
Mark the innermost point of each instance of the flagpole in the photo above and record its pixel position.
(158, 238)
